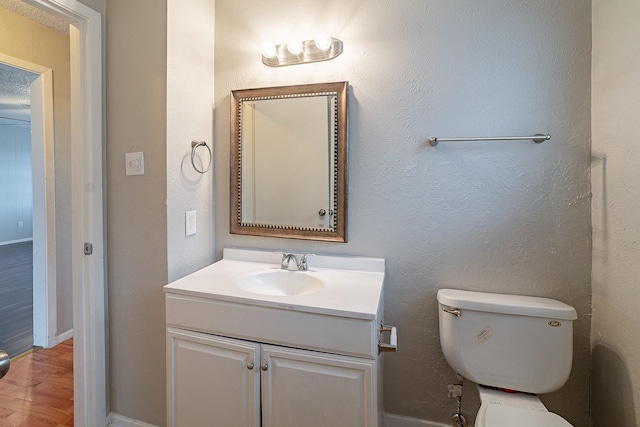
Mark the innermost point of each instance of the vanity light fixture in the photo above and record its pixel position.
(295, 52)
(294, 47)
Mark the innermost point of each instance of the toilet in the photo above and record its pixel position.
(513, 347)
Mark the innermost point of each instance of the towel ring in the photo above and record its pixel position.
(194, 146)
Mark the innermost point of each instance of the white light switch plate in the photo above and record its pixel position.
(190, 223)
(134, 163)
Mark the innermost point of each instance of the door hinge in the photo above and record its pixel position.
(88, 248)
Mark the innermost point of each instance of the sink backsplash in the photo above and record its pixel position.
(341, 262)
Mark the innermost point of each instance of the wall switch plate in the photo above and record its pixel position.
(134, 163)
(190, 223)
(20, 224)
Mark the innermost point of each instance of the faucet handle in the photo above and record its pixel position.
(303, 262)
(286, 259)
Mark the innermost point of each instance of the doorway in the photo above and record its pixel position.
(86, 208)
(28, 140)
(16, 205)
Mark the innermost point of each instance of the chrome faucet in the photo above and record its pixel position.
(301, 266)
(286, 259)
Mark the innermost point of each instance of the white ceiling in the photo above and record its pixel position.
(14, 95)
(21, 8)
(14, 83)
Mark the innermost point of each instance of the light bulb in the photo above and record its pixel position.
(294, 47)
(268, 50)
(323, 42)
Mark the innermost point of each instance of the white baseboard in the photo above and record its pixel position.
(392, 420)
(63, 337)
(11, 242)
(115, 420)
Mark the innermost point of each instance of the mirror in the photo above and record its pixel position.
(289, 161)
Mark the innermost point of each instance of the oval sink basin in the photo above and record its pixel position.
(280, 283)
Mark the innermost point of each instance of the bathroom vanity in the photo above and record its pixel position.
(250, 344)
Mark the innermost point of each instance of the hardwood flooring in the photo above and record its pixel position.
(38, 389)
(16, 298)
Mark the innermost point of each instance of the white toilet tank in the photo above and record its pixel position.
(508, 341)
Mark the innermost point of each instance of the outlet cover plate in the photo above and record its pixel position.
(190, 223)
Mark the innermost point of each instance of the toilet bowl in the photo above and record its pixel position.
(506, 409)
(508, 342)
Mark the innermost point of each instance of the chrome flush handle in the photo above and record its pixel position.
(451, 310)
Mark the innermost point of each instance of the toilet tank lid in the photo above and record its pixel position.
(507, 304)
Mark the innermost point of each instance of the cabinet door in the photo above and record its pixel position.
(311, 389)
(212, 381)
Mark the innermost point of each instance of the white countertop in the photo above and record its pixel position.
(353, 285)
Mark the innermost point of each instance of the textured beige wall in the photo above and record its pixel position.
(23, 38)
(615, 181)
(136, 214)
(189, 117)
(511, 217)
(505, 217)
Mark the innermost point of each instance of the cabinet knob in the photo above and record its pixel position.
(250, 366)
(265, 367)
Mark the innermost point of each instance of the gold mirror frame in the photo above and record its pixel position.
(337, 233)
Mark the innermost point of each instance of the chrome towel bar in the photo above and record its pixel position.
(537, 138)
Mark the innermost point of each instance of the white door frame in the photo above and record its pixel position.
(42, 170)
(88, 272)
(45, 307)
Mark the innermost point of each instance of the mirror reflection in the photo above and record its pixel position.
(289, 161)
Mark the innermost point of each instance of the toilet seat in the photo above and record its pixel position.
(495, 415)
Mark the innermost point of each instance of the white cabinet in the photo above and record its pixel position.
(305, 388)
(209, 381)
(227, 382)
(249, 357)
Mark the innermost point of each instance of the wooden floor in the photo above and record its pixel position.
(38, 389)
(16, 298)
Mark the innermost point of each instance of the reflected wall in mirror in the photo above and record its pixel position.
(289, 161)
